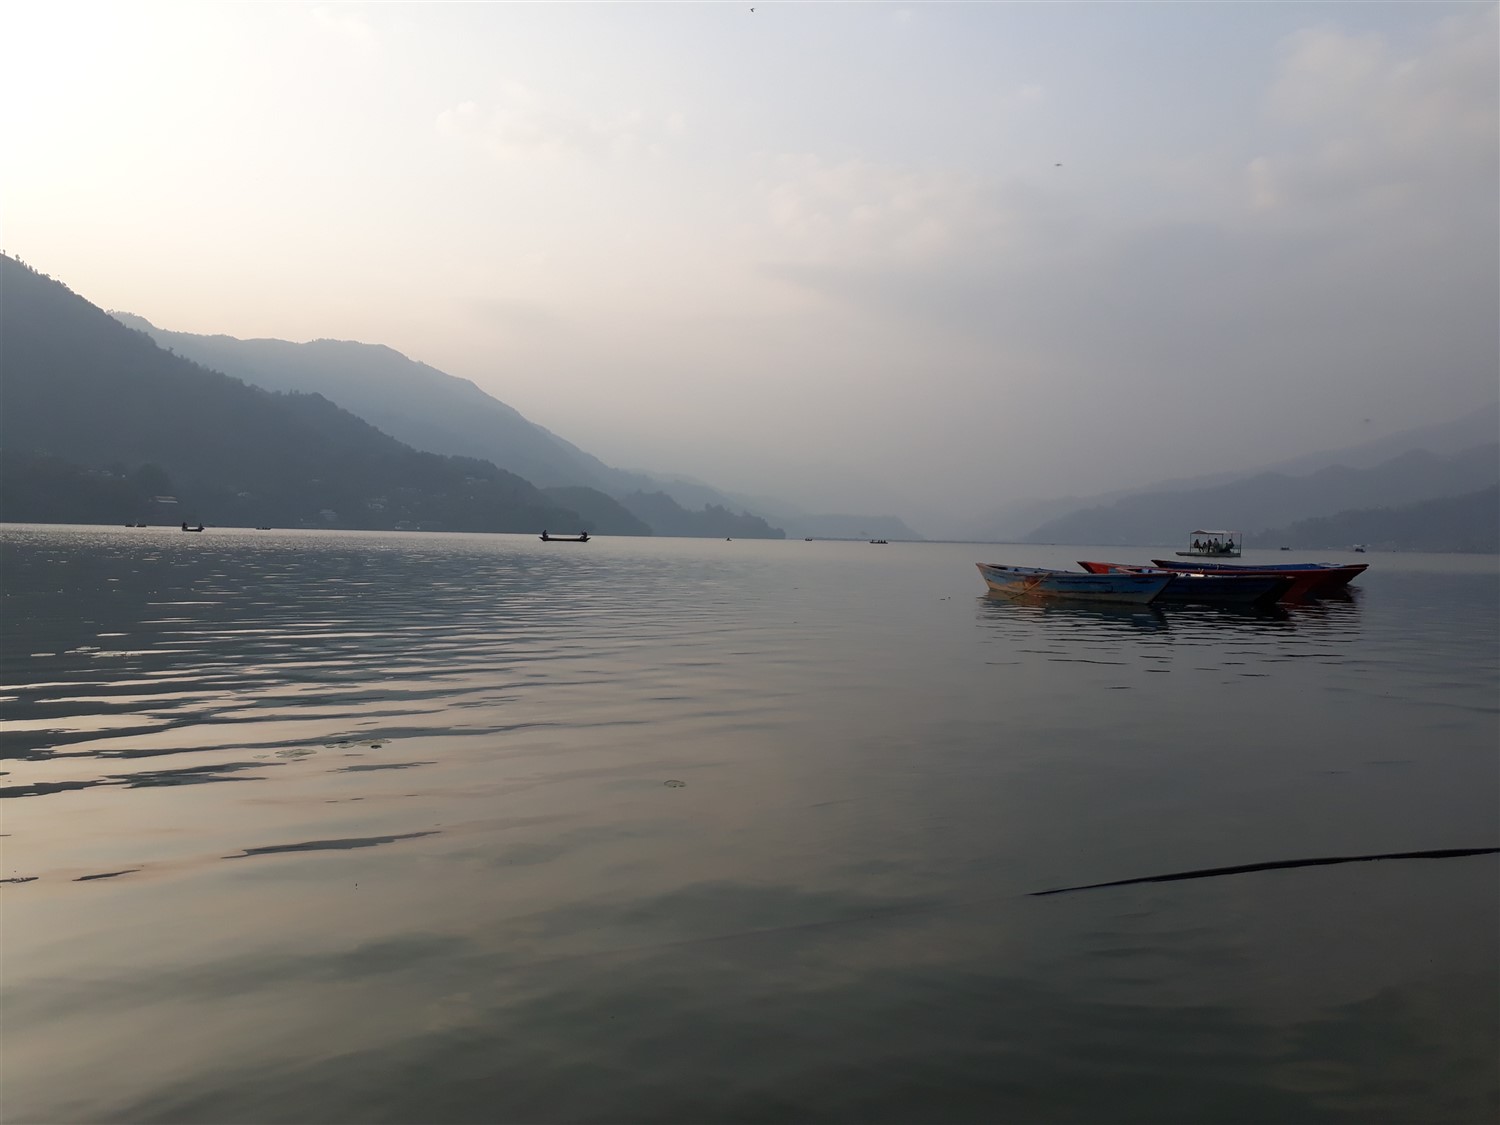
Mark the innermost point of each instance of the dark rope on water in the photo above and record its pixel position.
(1274, 865)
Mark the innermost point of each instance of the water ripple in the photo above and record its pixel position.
(672, 830)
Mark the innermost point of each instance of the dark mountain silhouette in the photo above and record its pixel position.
(668, 517)
(39, 488)
(601, 513)
(848, 527)
(1276, 499)
(1017, 520)
(94, 411)
(1470, 522)
(413, 402)
(1478, 427)
(430, 409)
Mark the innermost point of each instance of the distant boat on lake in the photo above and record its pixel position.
(185, 527)
(1039, 582)
(584, 538)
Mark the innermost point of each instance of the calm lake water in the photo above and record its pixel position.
(365, 827)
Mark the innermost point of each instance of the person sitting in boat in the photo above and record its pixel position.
(1197, 544)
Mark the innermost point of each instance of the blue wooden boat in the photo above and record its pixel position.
(1217, 588)
(1040, 582)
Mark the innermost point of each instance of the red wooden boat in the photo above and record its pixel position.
(1310, 578)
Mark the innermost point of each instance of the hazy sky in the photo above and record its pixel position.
(867, 256)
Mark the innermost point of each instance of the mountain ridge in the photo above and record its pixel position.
(1277, 499)
(91, 403)
(1020, 519)
(344, 370)
(430, 409)
(1469, 522)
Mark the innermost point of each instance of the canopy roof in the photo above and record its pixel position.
(1223, 534)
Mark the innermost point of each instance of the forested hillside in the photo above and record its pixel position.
(93, 409)
(1453, 523)
(670, 518)
(1277, 499)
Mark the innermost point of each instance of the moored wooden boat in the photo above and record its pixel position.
(1040, 582)
(1311, 578)
(1199, 586)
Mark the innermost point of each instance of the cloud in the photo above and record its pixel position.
(1350, 258)
(349, 31)
(1368, 130)
(861, 213)
(521, 123)
(510, 316)
(1374, 155)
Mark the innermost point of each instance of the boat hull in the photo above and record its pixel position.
(1310, 577)
(1201, 588)
(1037, 582)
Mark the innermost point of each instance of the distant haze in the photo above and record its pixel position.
(864, 256)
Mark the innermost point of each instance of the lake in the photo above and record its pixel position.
(358, 827)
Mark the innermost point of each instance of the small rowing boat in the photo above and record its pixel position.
(1040, 582)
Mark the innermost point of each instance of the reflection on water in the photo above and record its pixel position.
(1193, 624)
(1240, 637)
(681, 831)
(330, 845)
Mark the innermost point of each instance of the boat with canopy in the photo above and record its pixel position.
(1210, 544)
